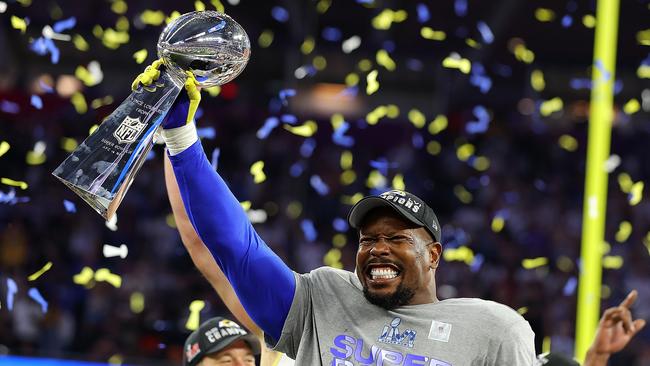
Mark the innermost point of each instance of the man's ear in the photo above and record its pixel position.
(435, 251)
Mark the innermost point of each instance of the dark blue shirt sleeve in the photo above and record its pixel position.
(264, 284)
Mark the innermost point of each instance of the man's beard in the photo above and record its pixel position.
(401, 296)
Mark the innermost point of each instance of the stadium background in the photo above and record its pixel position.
(480, 108)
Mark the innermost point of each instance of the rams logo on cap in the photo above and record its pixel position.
(191, 351)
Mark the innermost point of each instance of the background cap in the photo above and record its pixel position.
(214, 335)
(407, 205)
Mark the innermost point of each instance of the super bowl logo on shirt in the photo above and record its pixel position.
(129, 130)
(391, 334)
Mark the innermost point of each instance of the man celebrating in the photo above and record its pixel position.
(220, 341)
(387, 313)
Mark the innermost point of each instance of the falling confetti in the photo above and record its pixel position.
(136, 302)
(309, 230)
(318, 185)
(36, 296)
(624, 231)
(257, 171)
(4, 147)
(110, 251)
(12, 288)
(105, 275)
(372, 85)
(532, 263)
(38, 273)
(15, 183)
(454, 61)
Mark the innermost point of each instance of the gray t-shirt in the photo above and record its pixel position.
(331, 323)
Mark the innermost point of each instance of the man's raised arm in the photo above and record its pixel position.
(263, 283)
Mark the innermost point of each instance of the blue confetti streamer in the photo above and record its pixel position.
(198, 114)
(206, 133)
(480, 79)
(481, 124)
(10, 197)
(42, 46)
(215, 158)
(9, 107)
(64, 24)
(388, 45)
(476, 263)
(284, 94)
(486, 32)
(12, 288)
(36, 101)
(36, 296)
(339, 138)
(423, 13)
(150, 155)
(46, 88)
(340, 225)
(567, 21)
(383, 165)
(307, 147)
(309, 230)
(289, 119)
(331, 34)
(280, 14)
(460, 7)
(503, 70)
(318, 185)
(570, 286)
(69, 206)
(269, 125)
(351, 91)
(414, 64)
(417, 140)
(296, 169)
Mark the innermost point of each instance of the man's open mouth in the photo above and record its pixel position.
(381, 272)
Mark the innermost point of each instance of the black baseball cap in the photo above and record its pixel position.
(555, 359)
(406, 204)
(213, 336)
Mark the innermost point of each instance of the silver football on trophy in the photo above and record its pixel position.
(209, 44)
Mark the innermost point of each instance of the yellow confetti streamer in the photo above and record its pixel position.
(568, 143)
(352, 200)
(4, 147)
(428, 33)
(307, 129)
(218, 6)
(624, 231)
(472, 43)
(136, 302)
(98, 31)
(643, 72)
(79, 103)
(116, 359)
(457, 62)
(465, 151)
(141, 55)
(636, 193)
(114, 39)
(612, 262)
(18, 23)
(537, 80)
(346, 159)
(438, 124)
(372, 83)
(646, 242)
(170, 221)
(84, 277)
(258, 172)
(398, 182)
(532, 263)
(92, 129)
(544, 14)
(175, 14)
(246, 205)
(589, 21)
(387, 17)
(323, 5)
(434, 147)
(35, 157)
(364, 65)
(105, 275)
(85, 76)
(463, 194)
(152, 17)
(15, 183)
(294, 209)
(625, 182)
(375, 179)
(319, 62)
(546, 344)
(392, 111)
(265, 39)
(38, 273)
(119, 7)
(194, 319)
(460, 254)
(417, 118)
(522, 310)
(643, 37)
(498, 224)
(80, 43)
(551, 106)
(481, 163)
(199, 6)
(307, 45)
(564, 264)
(523, 54)
(100, 102)
(339, 240)
(383, 59)
(336, 120)
(632, 106)
(333, 258)
(348, 177)
(122, 24)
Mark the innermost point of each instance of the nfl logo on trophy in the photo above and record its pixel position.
(129, 130)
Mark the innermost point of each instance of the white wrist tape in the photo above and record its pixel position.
(179, 139)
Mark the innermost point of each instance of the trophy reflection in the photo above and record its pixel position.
(213, 47)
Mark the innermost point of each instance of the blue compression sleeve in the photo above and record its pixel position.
(264, 284)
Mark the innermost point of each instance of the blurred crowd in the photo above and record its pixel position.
(526, 203)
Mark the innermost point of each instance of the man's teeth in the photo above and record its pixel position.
(382, 273)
